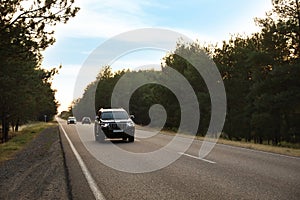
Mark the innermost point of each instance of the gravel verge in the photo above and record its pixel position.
(36, 172)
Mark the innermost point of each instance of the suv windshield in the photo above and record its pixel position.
(114, 115)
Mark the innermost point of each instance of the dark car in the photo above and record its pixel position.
(71, 120)
(114, 123)
(86, 120)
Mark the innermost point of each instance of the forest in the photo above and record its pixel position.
(260, 73)
(26, 29)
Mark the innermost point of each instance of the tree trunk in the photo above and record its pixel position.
(5, 127)
(17, 126)
(260, 140)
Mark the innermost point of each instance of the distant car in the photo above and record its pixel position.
(71, 120)
(86, 120)
(114, 123)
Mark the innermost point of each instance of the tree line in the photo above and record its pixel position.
(25, 87)
(260, 73)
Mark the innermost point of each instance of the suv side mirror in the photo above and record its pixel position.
(97, 118)
(132, 116)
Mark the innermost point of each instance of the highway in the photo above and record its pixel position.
(226, 173)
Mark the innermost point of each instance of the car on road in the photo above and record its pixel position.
(86, 120)
(114, 123)
(71, 120)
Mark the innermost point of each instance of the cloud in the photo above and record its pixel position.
(104, 19)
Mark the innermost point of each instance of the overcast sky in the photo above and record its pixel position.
(208, 21)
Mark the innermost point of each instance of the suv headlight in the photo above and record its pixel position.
(130, 124)
(104, 125)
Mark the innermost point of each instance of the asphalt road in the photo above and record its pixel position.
(121, 170)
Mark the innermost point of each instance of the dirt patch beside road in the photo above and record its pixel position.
(36, 172)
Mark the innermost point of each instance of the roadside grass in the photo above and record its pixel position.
(262, 147)
(22, 138)
(249, 145)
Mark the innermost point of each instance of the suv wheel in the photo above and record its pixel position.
(131, 139)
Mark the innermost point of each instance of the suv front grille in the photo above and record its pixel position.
(117, 126)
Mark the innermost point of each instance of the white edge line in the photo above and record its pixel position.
(191, 156)
(92, 184)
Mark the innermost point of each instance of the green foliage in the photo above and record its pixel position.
(29, 22)
(260, 75)
(97, 94)
(194, 53)
(65, 115)
(25, 30)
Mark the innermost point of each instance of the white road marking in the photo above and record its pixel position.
(92, 184)
(191, 156)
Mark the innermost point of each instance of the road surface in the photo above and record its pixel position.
(226, 173)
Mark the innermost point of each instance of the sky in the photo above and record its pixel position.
(208, 21)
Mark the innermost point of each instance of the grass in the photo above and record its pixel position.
(21, 139)
(249, 145)
(263, 147)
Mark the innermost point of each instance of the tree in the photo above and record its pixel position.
(28, 23)
(97, 94)
(259, 73)
(198, 54)
(25, 30)
(233, 61)
(281, 31)
(276, 88)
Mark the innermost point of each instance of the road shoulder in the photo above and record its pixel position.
(37, 171)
